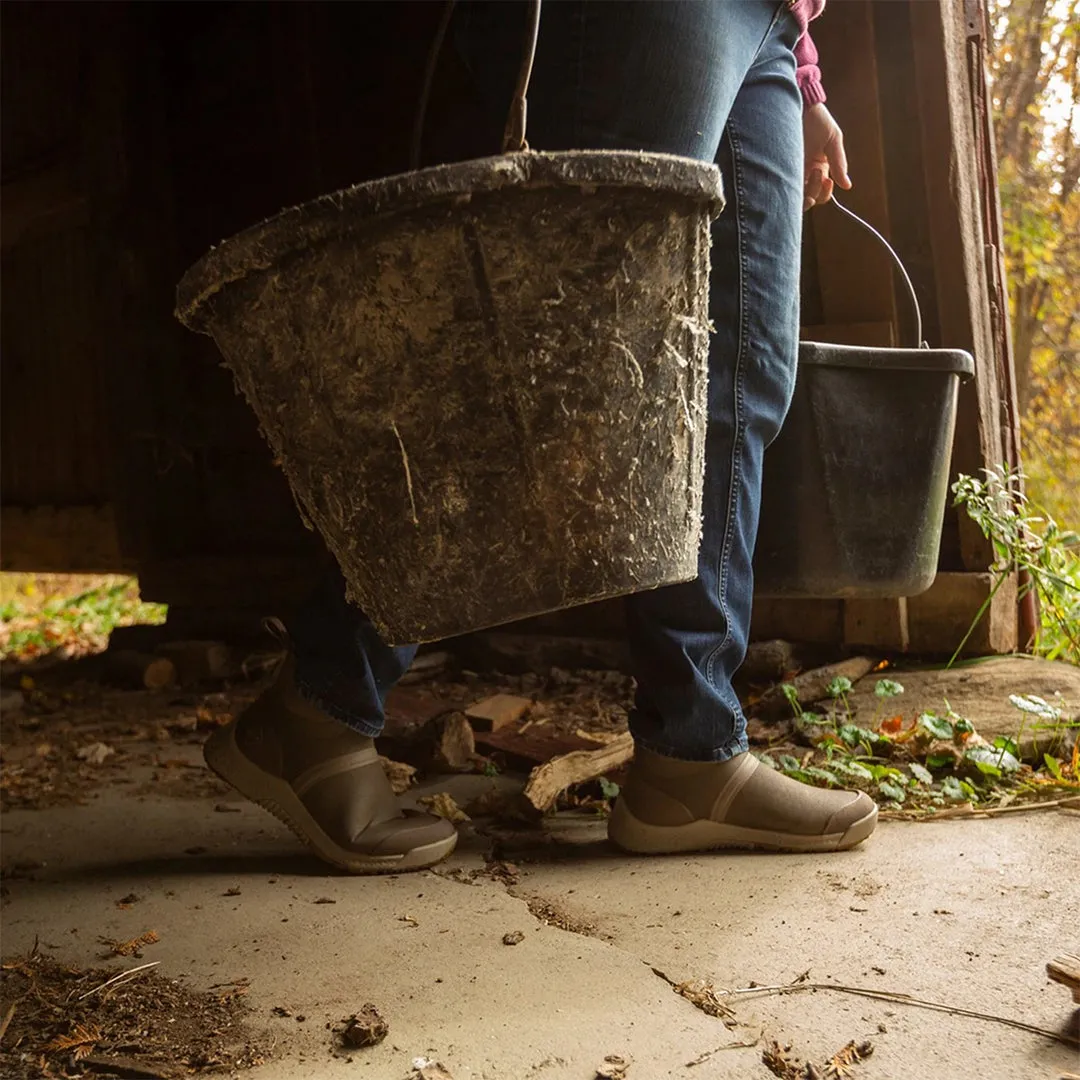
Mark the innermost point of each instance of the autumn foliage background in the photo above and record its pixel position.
(1035, 72)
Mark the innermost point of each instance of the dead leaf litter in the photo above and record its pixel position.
(74, 1022)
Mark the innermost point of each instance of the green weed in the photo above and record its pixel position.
(1026, 540)
(935, 759)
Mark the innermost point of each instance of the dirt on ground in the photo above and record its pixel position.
(61, 744)
(61, 1020)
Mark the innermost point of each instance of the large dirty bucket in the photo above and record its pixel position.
(485, 381)
(856, 483)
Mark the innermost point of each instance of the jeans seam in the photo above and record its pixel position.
(740, 427)
(716, 753)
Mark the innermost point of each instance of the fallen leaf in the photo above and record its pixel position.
(126, 901)
(233, 890)
(401, 775)
(515, 937)
(839, 1065)
(442, 805)
(324, 900)
(703, 996)
(892, 725)
(409, 920)
(613, 1067)
(424, 1069)
(82, 1041)
(95, 753)
(776, 1060)
(132, 947)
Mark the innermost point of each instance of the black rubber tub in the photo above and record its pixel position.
(857, 482)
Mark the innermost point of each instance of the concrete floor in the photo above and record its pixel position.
(965, 913)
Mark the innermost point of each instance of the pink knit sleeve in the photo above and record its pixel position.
(807, 73)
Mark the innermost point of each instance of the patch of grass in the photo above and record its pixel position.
(72, 615)
(931, 761)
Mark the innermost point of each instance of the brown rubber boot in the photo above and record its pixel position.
(669, 805)
(325, 782)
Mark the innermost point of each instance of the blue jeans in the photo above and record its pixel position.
(708, 79)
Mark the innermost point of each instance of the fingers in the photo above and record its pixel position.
(818, 186)
(837, 158)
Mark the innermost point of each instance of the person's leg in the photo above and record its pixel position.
(342, 665)
(304, 748)
(693, 784)
(688, 640)
(652, 75)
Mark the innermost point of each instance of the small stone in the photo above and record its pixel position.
(365, 1028)
(515, 937)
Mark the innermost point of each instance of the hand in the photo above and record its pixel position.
(825, 160)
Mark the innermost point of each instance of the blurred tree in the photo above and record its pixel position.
(1035, 71)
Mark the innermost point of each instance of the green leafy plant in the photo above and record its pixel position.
(838, 689)
(608, 788)
(1027, 541)
(930, 762)
(884, 690)
(31, 627)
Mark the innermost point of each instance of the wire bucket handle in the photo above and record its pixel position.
(514, 142)
(899, 265)
(514, 133)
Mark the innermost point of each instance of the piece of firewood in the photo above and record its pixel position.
(1065, 969)
(456, 746)
(497, 711)
(547, 782)
(139, 670)
(525, 749)
(813, 685)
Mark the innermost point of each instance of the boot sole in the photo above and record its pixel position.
(225, 759)
(631, 834)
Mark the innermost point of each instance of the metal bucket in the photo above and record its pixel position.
(485, 382)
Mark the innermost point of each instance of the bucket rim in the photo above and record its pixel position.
(263, 245)
(943, 361)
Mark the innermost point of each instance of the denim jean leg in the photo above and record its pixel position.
(654, 75)
(689, 640)
(342, 665)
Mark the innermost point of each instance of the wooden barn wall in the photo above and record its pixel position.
(137, 135)
(54, 454)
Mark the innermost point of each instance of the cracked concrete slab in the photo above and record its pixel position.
(965, 913)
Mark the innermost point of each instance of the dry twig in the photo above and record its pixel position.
(8, 1014)
(907, 999)
(117, 979)
(967, 810)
